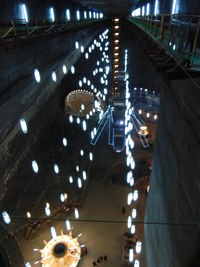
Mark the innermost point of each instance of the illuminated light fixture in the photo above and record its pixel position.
(53, 233)
(136, 263)
(23, 126)
(62, 198)
(86, 55)
(68, 14)
(174, 47)
(72, 69)
(143, 130)
(27, 264)
(148, 9)
(132, 229)
(56, 168)
(24, 13)
(47, 211)
(117, 27)
(116, 20)
(52, 15)
(82, 49)
(68, 225)
(64, 69)
(155, 116)
(37, 75)
(77, 168)
(77, 45)
(138, 248)
(143, 11)
(116, 54)
(78, 15)
(131, 255)
(79, 182)
(116, 47)
(156, 8)
(84, 80)
(116, 60)
(116, 33)
(35, 166)
(6, 217)
(129, 199)
(135, 195)
(91, 156)
(174, 7)
(78, 121)
(85, 15)
(71, 119)
(84, 175)
(94, 15)
(70, 179)
(134, 213)
(28, 214)
(87, 116)
(84, 125)
(139, 111)
(129, 222)
(148, 188)
(76, 213)
(80, 84)
(132, 181)
(148, 114)
(116, 41)
(82, 152)
(53, 76)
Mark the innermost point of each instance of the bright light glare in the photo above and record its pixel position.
(131, 255)
(68, 14)
(37, 75)
(174, 7)
(70, 179)
(35, 166)
(156, 8)
(76, 213)
(148, 9)
(84, 175)
(138, 247)
(52, 15)
(72, 69)
(6, 217)
(91, 156)
(27, 264)
(24, 12)
(64, 141)
(64, 68)
(53, 233)
(56, 168)
(137, 263)
(79, 182)
(77, 14)
(68, 225)
(53, 76)
(84, 125)
(23, 126)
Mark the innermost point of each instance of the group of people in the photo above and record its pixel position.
(100, 260)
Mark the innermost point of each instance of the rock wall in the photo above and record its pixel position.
(21, 96)
(172, 217)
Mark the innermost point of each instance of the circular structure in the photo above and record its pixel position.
(62, 251)
(80, 102)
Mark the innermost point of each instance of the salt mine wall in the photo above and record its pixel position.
(172, 217)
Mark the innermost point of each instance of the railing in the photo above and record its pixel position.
(18, 29)
(178, 33)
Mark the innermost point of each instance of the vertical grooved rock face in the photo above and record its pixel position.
(173, 201)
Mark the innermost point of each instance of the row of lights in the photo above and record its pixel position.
(145, 10)
(130, 162)
(116, 56)
(52, 17)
